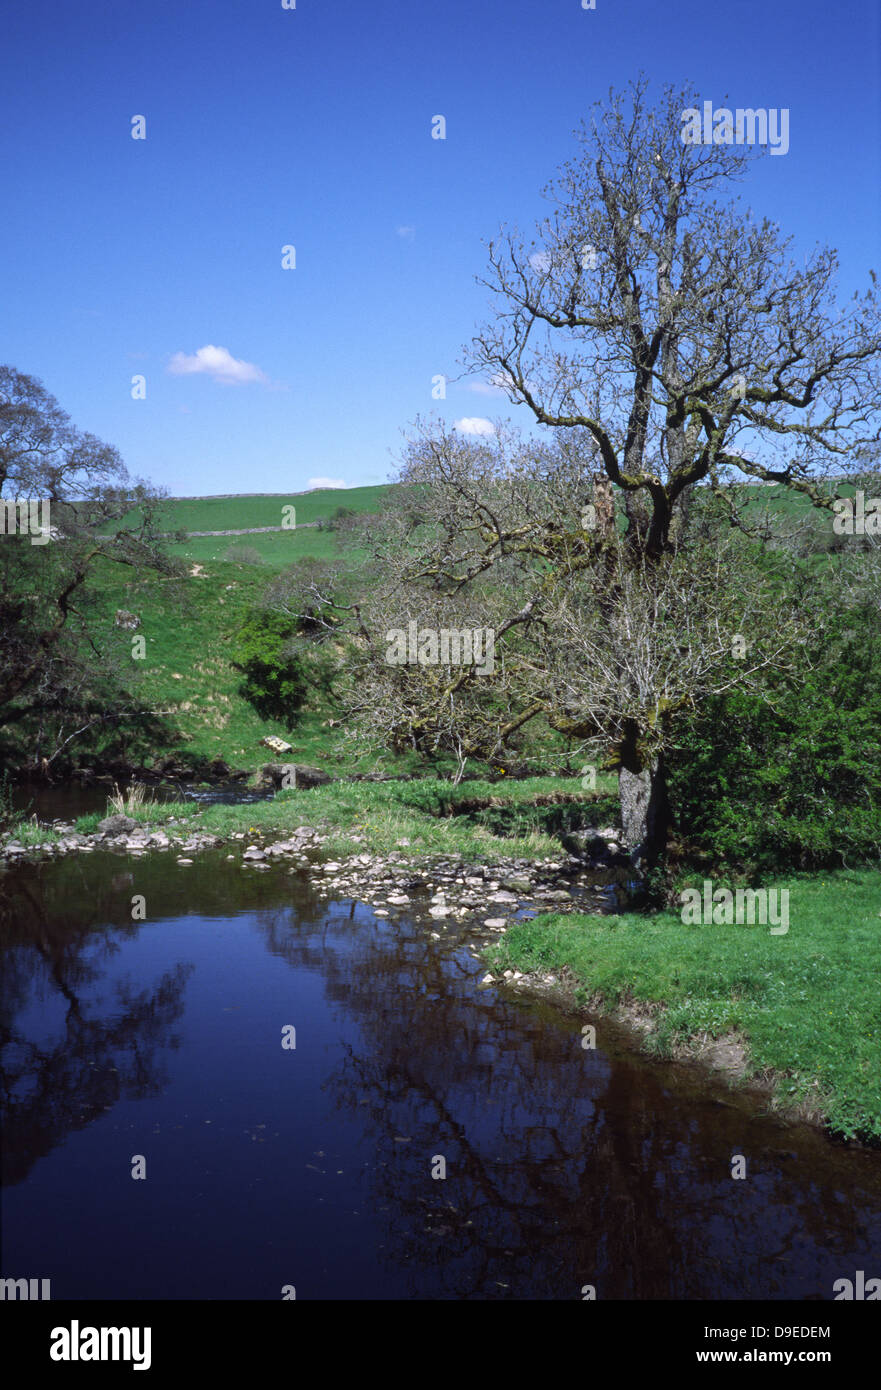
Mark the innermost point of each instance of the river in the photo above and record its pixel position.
(158, 1043)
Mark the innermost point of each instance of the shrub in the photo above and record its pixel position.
(797, 782)
(243, 555)
(280, 669)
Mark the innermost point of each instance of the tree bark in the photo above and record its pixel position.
(645, 812)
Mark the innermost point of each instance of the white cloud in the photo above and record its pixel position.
(493, 387)
(326, 482)
(474, 424)
(216, 362)
(540, 260)
(406, 233)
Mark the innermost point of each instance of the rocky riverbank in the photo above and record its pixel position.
(446, 888)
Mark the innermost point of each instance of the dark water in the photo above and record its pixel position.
(67, 801)
(313, 1167)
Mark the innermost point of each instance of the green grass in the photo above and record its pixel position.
(236, 513)
(276, 549)
(384, 813)
(380, 815)
(189, 629)
(190, 626)
(248, 509)
(807, 1002)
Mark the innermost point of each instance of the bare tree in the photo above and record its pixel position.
(675, 330)
(518, 599)
(674, 327)
(674, 352)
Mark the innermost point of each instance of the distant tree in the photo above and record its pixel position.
(52, 475)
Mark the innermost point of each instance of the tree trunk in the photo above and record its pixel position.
(645, 812)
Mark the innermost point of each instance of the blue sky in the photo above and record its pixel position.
(312, 128)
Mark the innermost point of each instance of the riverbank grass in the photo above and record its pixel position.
(807, 1003)
(477, 821)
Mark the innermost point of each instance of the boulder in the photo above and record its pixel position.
(116, 825)
(585, 844)
(301, 776)
(277, 745)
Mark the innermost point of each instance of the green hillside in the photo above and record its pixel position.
(190, 626)
(276, 549)
(229, 513)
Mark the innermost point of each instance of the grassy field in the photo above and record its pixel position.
(187, 675)
(189, 627)
(242, 513)
(807, 1003)
(275, 548)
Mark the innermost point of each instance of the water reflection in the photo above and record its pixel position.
(564, 1167)
(69, 1048)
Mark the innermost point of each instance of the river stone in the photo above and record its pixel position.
(253, 853)
(116, 825)
(299, 775)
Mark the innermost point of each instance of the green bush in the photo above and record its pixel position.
(280, 668)
(243, 555)
(797, 781)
